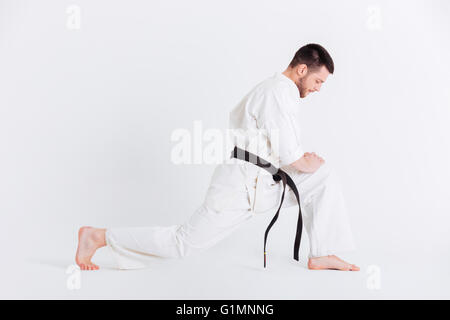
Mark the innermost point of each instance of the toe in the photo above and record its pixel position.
(355, 268)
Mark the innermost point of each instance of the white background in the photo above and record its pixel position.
(86, 117)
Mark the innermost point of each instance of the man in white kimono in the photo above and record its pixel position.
(238, 189)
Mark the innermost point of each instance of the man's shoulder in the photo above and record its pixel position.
(270, 86)
(273, 88)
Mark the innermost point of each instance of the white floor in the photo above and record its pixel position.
(231, 270)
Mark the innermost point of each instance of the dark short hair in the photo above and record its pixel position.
(314, 56)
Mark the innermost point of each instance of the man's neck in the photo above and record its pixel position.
(288, 73)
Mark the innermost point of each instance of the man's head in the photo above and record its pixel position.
(310, 68)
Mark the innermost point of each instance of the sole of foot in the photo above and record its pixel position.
(87, 246)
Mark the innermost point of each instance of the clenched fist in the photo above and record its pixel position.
(308, 163)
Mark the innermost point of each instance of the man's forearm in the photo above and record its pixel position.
(299, 164)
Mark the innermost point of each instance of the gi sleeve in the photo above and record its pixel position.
(277, 119)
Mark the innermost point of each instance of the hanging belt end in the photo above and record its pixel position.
(264, 259)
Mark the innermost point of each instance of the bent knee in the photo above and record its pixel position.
(325, 169)
(326, 175)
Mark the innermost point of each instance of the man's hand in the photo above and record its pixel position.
(308, 163)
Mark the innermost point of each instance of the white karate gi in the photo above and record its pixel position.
(238, 190)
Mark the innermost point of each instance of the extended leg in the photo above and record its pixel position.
(226, 207)
(138, 247)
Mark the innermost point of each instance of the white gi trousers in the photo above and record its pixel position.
(239, 190)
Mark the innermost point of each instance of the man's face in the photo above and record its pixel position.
(312, 81)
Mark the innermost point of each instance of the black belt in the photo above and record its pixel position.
(277, 175)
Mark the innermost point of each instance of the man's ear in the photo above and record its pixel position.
(302, 70)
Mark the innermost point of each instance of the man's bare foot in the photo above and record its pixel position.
(89, 240)
(330, 263)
